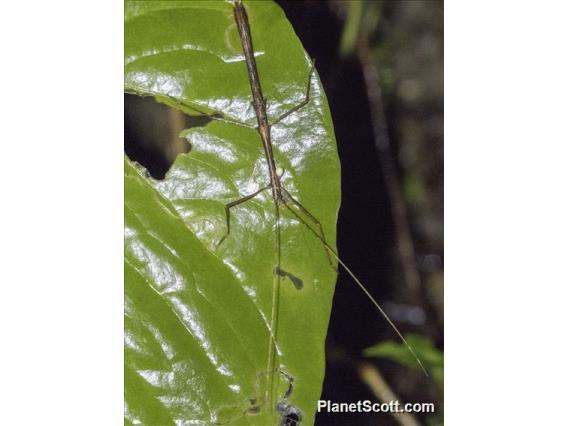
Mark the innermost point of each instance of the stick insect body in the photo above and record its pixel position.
(280, 196)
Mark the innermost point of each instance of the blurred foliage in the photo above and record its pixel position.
(405, 45)
(362, 18)
(432, 358)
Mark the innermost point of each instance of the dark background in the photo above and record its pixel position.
(405, 43)
(407, 49)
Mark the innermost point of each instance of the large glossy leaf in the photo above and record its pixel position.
(198, 317)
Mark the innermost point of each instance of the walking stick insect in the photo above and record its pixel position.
(281, 197)
(270, 185)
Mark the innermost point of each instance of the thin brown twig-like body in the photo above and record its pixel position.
(280, 195)
(259, 105)
(258, 100)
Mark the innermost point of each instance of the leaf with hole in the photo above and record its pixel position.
(197, 316)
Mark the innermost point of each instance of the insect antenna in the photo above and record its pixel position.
(334, 254)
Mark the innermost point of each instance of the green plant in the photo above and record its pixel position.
(197, 316)
(432, 358)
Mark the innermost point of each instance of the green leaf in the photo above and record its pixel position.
(431, 357)
(198, 317)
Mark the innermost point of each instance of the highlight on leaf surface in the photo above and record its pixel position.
(197, 315)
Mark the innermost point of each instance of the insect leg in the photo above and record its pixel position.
(329, 250)
(301, 104)
(312, 218)
(235, 203)
(290, 381)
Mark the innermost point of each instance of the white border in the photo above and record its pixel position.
(61, 238)
(61, 245)
(506, 211)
